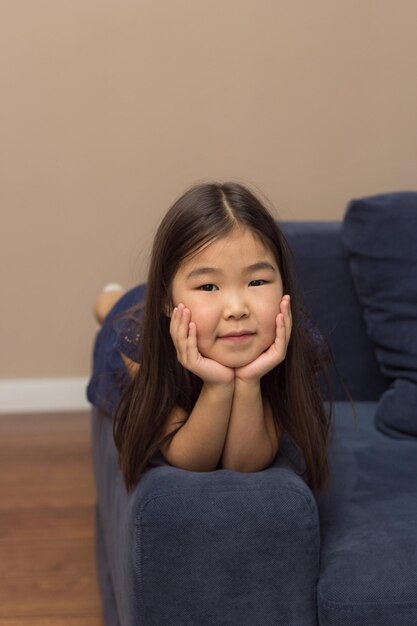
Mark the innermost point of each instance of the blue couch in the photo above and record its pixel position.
(225, 548)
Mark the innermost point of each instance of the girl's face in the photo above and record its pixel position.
(233, 288)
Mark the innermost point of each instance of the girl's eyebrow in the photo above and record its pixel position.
(204, 271)
(261, 265)
(201, 271)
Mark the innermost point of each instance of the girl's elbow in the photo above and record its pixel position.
(190, 463)
(246, 467)
(250, 463)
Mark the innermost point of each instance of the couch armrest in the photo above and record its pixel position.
(207, 548)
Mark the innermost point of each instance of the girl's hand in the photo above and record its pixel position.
(275, 354)
(184, 336)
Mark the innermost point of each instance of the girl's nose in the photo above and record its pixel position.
(235, 308)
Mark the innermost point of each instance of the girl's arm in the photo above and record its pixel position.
(198, 444)
(252, 438)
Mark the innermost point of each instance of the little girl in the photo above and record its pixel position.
(227, 364)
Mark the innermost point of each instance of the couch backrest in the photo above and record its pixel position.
(329, 298)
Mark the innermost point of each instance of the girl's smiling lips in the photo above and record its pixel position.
(240, 335)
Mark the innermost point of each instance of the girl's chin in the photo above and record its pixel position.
(233, 363)
(236, 362)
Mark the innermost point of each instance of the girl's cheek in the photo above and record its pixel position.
(272, 328)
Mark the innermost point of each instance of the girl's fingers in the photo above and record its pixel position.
(286, 311)
(184, 320)
(183, 333)
(192, 340)
(281, 330)
(173, 326)
(177, 326)
(174, 321)
(283, 333)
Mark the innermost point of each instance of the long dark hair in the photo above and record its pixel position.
(205, 213)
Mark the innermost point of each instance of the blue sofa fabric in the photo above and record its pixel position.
(368, 518)
(228, 548)
(323, 271)
(206, 548)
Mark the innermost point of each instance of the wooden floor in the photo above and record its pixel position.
(47, 572)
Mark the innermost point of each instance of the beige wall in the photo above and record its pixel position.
(110, 108)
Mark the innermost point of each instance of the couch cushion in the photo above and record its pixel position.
(380, 234)
(329, 297)
(368, 526)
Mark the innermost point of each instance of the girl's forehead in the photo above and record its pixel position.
(240, 247)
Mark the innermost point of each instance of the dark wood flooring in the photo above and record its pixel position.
(47, 571)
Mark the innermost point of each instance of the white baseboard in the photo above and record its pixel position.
(37, 395)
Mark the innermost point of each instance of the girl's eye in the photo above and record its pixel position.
(208, 287)
(257, 283)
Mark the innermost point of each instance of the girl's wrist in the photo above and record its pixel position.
(242, 383)
(226, 388)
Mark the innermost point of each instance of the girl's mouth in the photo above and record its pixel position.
(238, 337)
